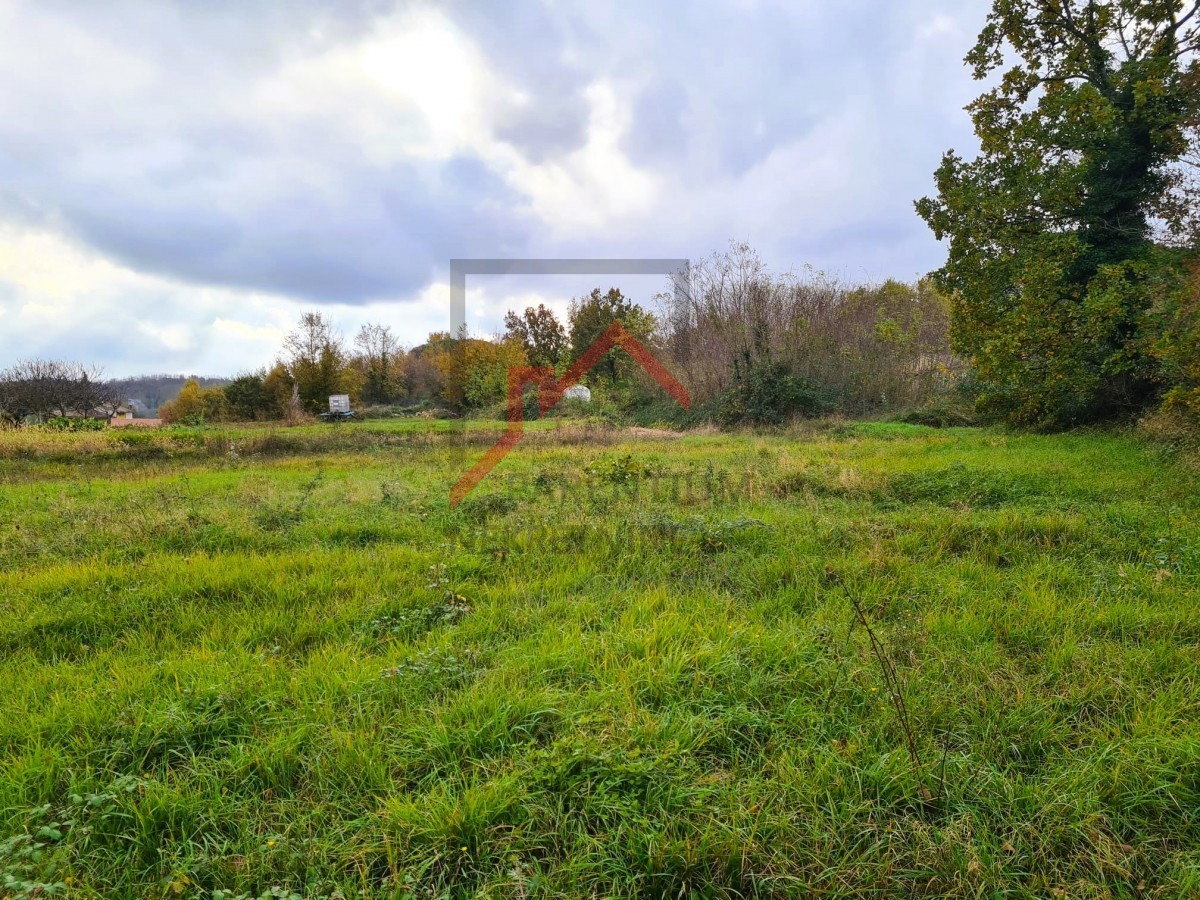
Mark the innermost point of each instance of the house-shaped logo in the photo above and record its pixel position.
(551, 391)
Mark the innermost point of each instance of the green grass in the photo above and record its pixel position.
(238, 661)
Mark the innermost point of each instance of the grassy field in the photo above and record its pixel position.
(867, 660)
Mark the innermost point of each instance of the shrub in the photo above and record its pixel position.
(769, 394)
(64, 423)
(1175, 324)
(249, 398)
(938, 415)
(195, 405)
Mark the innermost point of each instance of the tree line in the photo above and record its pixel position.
(753, 347)
(455, 374)
(55, 389)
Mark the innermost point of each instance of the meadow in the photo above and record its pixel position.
(850, 660)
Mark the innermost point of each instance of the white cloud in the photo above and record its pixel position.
(593, 189)
(414, 86)
(60, 300)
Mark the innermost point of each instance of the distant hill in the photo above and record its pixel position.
(148, 392)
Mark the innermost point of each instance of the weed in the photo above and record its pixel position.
(409, 624)
(282, 515)
(622, 470)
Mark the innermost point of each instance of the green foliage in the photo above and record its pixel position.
(592, 315)
(474, 372)
(279, 388)
(768, 393)
(36, 861)
(249, 398)
(380, 365)
(540, 333)
(625, 469)
(75, 423)
(317, 362)
(196, 405)
(1175, 343)
(1051, 260)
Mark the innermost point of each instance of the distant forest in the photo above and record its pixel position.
(148, 392)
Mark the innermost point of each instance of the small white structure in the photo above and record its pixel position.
(578, 392)
(339, 403)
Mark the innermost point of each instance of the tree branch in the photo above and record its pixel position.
(1176, 25)
(1121, 24)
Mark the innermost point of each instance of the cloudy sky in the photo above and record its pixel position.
(179, 180)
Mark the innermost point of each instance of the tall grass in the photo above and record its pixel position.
(627, 668)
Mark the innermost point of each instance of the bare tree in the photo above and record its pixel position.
(314, 334)
(317, 361)
(874, 346)
(380, 360)
(44, 388)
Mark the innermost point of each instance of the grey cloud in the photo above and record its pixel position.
(531, 42)
(382, 234)
(659, 132)
(547, 127)
(177, 180)
(137, 141)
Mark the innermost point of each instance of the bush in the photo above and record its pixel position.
(249, 399)
(1172, 428)
(63, 423)
(769, 394)
(1175, 324)
(195, 405)
(938, 415)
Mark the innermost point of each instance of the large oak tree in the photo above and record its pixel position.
(1053, 256)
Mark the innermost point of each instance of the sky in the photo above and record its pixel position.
(179, 181)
